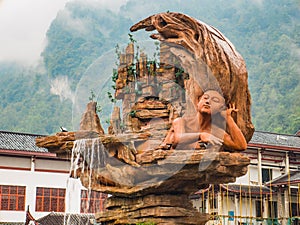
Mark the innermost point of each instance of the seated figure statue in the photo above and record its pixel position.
(213, 125)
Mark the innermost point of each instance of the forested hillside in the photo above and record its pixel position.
(26, 103)
(265, 32)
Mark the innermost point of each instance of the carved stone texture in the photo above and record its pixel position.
(158, 190)
(62, 143)
(147, 183)
(146, 88)
(164, 171)
(208, 57)
(115, 122)
(159, 209)
(90, 120)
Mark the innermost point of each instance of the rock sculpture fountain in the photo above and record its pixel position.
(166, 145)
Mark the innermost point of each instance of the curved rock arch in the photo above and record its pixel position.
(208, 57)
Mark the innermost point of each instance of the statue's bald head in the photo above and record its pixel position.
(211, 102)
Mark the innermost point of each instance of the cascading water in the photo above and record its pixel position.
(87, 155)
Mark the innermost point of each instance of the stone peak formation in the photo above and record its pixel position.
(184, 122)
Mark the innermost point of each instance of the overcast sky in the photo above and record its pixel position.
(24, 23)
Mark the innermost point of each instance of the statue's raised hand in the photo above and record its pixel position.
(229, 111)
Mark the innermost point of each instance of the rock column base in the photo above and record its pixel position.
(165, 209)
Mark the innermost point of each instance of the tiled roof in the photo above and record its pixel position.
(238, 189)
(19, 141)
(292, 178)
(11, 223)
(247, 189)
(280, 140)
(64, 218)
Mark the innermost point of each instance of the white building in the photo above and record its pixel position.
(267, 194)
(31, 176)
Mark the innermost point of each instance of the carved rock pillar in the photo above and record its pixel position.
(156, 208)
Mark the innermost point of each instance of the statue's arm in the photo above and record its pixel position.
(233, 138)
(182, 137)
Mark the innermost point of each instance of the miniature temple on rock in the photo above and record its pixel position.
(183, 124)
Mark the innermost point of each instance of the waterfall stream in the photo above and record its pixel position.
(87, 155)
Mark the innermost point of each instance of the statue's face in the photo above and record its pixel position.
(211, 102)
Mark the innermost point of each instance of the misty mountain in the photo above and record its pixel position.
(265, 32)
(80, 34)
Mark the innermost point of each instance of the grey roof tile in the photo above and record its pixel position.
(19, 141)
(61, 218)
(267, 138)
(11, 223)
(247, 189)
(293, 177)
(239, 189)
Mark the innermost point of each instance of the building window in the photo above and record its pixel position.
(266, 174)
(273, 210)
(213, 203)
(92, 201)
(259, 209)
(50, 199)
(12, 197)
(202, 208)
(295, 209)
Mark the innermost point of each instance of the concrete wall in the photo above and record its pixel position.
(32, 179)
